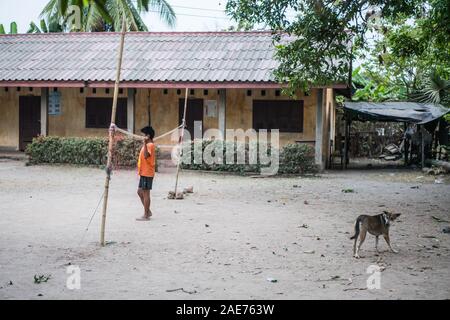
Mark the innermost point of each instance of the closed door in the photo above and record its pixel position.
(29, 120)
(194, 113)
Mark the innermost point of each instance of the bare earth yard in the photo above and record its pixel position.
(222, 242)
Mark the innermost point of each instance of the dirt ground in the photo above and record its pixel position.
(222, 242)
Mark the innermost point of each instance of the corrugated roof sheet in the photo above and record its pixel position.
(148, 57)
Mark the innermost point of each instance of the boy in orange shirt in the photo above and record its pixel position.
(146, 171)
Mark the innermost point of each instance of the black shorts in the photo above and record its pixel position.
(145, 183)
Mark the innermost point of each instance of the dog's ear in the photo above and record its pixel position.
(395, 216)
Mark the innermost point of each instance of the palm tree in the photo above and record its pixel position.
(116, 8)
(58, 10)
(106, 15)
(435, 90)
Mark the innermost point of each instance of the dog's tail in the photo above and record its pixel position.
(358, 221)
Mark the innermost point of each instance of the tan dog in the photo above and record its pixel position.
(375, 225)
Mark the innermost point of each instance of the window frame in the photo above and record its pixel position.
(271, 109)
(105, 103)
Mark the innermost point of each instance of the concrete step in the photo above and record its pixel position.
(10, 154)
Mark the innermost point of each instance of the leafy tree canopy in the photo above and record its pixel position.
(404, 61)
(327, 35)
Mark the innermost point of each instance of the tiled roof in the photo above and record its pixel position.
(148, 57)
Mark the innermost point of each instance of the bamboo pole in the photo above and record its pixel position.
(111, 133)
(180, 153)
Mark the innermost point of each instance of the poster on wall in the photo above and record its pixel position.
(211, 108)
(54, 103)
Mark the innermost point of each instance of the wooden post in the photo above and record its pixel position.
(44, 112)
(221, 114)
(149, 101)
(347, 127)
(405, 143)
(180, 154)
(131, 109)
(422, 131)
(111, 133)
(319, 130)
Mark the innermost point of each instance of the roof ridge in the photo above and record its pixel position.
(139, 33)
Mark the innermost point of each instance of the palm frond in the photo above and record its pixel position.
(91, 19)
(435, 90)
(101, 7)
(62, 7)
(140, 24)
(50, 9)
(13, 28)
(33, 28)
(43, 26)
(164, 9)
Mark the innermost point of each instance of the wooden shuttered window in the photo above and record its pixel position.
(98, 112)
(285, 115)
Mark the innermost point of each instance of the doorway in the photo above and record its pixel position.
(194, 113)
(29, 120)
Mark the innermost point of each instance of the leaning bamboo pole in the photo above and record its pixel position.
(180, 145)
(111, 133)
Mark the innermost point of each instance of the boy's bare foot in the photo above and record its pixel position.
(143, 218)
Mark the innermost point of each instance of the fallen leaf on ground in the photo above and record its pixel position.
(333, 278)
(439, 219)
(182, 289)
(348, 289)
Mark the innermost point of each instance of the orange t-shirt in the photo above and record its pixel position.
(146, 167)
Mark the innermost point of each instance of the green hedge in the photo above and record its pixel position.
(293, 158)
(82, 151)
(297, 158)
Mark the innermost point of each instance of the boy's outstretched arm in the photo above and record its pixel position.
(146, 152)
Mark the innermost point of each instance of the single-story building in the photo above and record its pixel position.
(61, 84)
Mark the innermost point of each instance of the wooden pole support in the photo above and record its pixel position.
(422, 131)
(111, 133)
(405, 143)
(346, 142)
